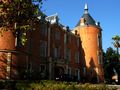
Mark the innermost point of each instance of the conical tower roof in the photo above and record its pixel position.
(87, 17)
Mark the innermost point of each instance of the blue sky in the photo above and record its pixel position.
(107, 12)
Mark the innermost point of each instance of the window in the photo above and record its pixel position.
(57, 52)
(57, 35)
(99, 40)
(9, 57)
(42, 71)
(8, 68)
(84, 71)
(43, 49)
(8, 72)
(78, 42)
(65, 38)
(42, 68)
(69, 71)
(68, 38)
(31, 67)
(77, 57)
(18, 38)
(77, 74)
(68, 55)
(43, 30)
(91, 71)
(100, 58)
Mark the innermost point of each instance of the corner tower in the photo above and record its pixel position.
(90, 34)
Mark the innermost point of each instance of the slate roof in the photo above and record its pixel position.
(88, 19)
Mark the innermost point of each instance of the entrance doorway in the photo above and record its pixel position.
(58, 71)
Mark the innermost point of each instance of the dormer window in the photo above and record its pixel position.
(52, 19)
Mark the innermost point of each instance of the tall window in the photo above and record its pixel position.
(77, 57)
(8, 68)
(91, 71)
(18, 38)
(69, 71)
(99, 40)
(43, 49)
(68, 38)
(100, 59)
(42, 68)
(56, 52)
(57, 35)
(84, 71)
(78, 42)
(65, 38)
(68, 55)
(77, 74)
(43, 31)
(42, 71)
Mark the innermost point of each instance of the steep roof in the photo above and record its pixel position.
(88, 19)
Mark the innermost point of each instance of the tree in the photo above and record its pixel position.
(117, 46)
(116, 43)
(17, 15)
(110, 55)
(110, 63)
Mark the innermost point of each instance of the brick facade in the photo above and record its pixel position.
(52, 50)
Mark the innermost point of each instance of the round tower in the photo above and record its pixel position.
(91, 46)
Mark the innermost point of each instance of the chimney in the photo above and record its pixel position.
(98, 24)
(75, 32)
(68, 28)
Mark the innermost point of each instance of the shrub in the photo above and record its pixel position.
(53, 85)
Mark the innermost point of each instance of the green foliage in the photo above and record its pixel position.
(53, 85)
(23, 39)
(18, 15)
(110, 55)
(116, 42)
(110, 62)
(17, 11)
(116, 37)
